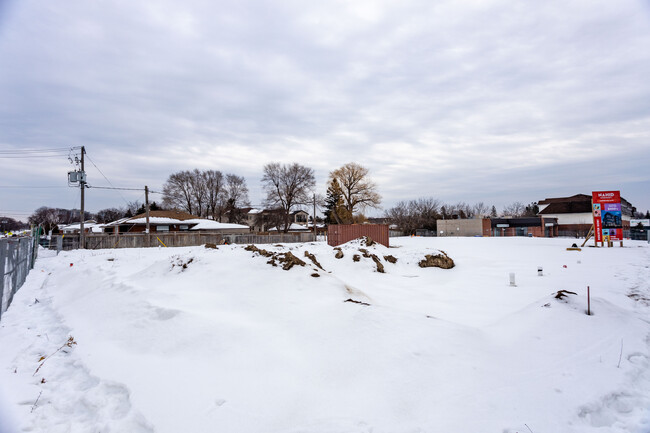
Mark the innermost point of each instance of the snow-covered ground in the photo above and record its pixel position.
(205, 340)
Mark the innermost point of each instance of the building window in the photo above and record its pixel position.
(183, 227)
(162, 228)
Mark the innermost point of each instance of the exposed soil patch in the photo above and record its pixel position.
(211, 246)
(441, 260)
(181, 263)
(259, 251)
(287, 260)
(313, 259)
(561, 294)
(315, 275)
(368, 255)
(390, 259)
(339, 253)
(357, 302)
(380, 265)
(639, 298)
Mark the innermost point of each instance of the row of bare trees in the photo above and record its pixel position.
(424, 212)
(350, 191)
(207, 193)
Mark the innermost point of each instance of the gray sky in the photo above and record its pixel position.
(493, 101)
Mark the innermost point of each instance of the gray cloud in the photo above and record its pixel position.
(493, 101)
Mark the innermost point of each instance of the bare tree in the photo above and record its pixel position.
(46, 217)
(215, 191)
(8, 224)
(177, 191)
(416, 214)
(401, 216)
(236, 197)
(481, 210)
(198, 191)
(515, 209)
(357, 190)
(132, 208)
(427, 212)
(287, 186)
(110, 214)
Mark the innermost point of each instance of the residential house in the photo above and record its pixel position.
(265, 220)
(164, 221)
(90, 226)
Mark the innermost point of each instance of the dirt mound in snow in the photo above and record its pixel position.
(441, 260)
(390, 259)
(313, 259)
(288, 260)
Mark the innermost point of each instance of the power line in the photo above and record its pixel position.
(112, 187)
(30, 187)
(104, 176)
(43, 150)
(32, 156)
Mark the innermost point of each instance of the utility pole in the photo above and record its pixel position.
(314, 220)
(82, 184)
(146, 207)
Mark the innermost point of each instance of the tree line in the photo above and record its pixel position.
(423, 213)
(288, 187)
(224, 197)
(207, 194)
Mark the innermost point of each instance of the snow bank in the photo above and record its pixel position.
(203, 340)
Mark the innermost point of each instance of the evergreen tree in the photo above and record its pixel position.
(335, 211)
(531, 210)
(493, 212)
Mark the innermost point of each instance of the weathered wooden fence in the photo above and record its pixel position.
(173, 239)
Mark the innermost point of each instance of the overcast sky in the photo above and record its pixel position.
(493, 101)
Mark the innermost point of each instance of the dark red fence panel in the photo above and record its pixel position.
(338, 234)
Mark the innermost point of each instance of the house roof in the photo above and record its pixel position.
(116, 222)
(567, 207)
(573, 198)
(576, 199)
(88, 225)
(293, 228)
(521, 221)
(215, 225)
(169, 214)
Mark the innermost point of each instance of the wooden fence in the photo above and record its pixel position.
(340, 234)
(173, 239)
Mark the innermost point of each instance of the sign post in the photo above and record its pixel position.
(608, 217)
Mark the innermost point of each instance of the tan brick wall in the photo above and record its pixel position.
(466, 227)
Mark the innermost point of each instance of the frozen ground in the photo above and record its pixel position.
(204, 340)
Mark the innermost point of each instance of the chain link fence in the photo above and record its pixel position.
(17, 257)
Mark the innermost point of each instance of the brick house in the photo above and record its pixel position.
(165, 221)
